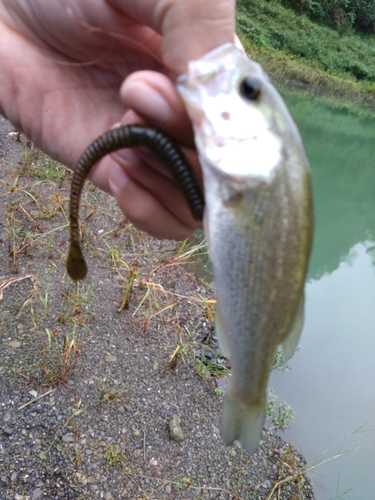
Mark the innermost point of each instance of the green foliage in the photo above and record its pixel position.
(279, 363)
(364, 15)
(270, 26)
(281, 414)
(38, 165)
(341, 15)
(114, 455)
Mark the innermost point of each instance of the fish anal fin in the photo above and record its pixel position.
(221, 333)
(290, 342)
(242, 422)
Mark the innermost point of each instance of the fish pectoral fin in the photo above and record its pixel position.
(221, 333)
(242, 422)
(289, 344)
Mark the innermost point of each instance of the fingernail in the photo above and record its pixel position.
(149, 101)
(116, 125)
(156, 104)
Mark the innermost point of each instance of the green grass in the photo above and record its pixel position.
(295, 50)
(281, 414)
(38, 165)
(54, 362)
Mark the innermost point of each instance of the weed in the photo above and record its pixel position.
(67, 422)
(210, 311)
(57, 358)
(49, 211)
(179, 353)
(284, 415)
(108, 394)
(73, 305)
(211, 366)
(38, 165)
(183, 482)
(281, 415)
(114, 456)
(11, 281)
(325, 457)
(289, 473)
(182, 256)
(279, 363)
(12, 225)
(116, 259)
(128, 289)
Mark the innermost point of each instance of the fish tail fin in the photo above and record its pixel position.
(242, 422)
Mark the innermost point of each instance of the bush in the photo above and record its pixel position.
(364, 15)
(360, 71)
(341, 15)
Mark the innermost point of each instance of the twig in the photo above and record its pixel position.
(280, 482)
(144, 446)
(10, 281)
(36, 399)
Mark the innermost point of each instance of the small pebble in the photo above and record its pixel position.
(68, 438)
(37, 493)
(175, 428)
(14, 343)
(110, 358)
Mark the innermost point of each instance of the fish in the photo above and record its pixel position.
(258, 221)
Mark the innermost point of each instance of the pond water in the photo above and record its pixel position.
(331, 382)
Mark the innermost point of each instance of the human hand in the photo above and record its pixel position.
(62, 64)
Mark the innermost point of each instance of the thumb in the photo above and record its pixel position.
(189, 28)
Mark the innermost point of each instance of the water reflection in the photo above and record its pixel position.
(331, 382)
(341, 150)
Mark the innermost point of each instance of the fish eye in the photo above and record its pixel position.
(250, 88)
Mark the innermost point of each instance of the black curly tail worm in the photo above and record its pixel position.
(128, 136)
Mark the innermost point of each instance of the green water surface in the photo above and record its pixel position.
(331, 384)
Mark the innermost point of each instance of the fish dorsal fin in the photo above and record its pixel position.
(221, 333)
(289, 344)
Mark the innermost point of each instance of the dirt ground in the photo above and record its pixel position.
(88, 390)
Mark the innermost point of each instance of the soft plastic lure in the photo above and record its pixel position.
(128, 136)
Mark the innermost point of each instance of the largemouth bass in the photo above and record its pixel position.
(258, 223)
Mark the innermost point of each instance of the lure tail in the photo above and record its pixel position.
(76, 265)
